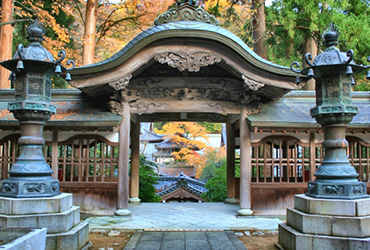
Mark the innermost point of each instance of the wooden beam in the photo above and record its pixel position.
(102, 185)
(149, 106)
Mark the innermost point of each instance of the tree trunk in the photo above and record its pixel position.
(289, 49)
(310, 46)
(90, 29)
(259, 28)
(6, 40)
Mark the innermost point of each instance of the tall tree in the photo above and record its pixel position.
(259, 28)
(6, 39)
(295, 26)
(90, 32)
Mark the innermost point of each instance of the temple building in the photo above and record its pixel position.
(185, 68)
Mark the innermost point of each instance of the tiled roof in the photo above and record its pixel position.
(168, 184)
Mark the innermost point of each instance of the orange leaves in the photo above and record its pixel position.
(187, 135)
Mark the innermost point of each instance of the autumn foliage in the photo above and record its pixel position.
(185, 135)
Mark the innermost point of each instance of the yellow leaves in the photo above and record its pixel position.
(179, 133)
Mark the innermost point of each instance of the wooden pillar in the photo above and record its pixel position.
(245, 164)
(230, 147)
(312, 156)
(123, 162)
(54, 154)
(135, 162)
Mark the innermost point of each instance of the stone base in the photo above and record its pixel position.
(56, 204)
(337, 207)
(22, 238)
(292, 240)
(245, 212)
(62, 220)
(231, 200)
(123, 212)
(326, 224)
(76, 238)
(54, 222)
(134, 200)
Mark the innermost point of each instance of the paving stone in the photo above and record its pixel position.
(173, 244)
(173, 236)
(133, 241)
(145, 245)
(196, 244)
(195, 236)
(220, 236)
(152, 236)
(221, 245)
(238, 244)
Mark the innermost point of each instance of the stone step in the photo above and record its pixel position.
(20, 206)
(75, 239)
(329, 225)
(55, 223)
(291, 239)
(309, 205)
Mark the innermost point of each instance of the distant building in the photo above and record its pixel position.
(180, 188)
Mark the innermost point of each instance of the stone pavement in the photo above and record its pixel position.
(174, 216)
(184, 240)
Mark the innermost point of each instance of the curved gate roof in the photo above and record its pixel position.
(185, 60)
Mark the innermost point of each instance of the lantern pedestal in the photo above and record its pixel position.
(57, 214)
(326, 224)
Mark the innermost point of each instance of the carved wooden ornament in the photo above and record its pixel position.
(184, 61)
(252, 84)
(254, 108)
(116, 108)
(121, 83)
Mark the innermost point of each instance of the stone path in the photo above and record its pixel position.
(184, 240)
(170, 216)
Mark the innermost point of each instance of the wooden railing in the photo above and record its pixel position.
(87, 159)
(93, 159)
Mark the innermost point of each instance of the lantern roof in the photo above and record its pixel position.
(35, 51)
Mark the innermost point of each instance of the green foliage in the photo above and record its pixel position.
(148, 178)
(213, 163)
(59, 83)
(217, 185)
(291, 22)
(212, 128)
(214, 173)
